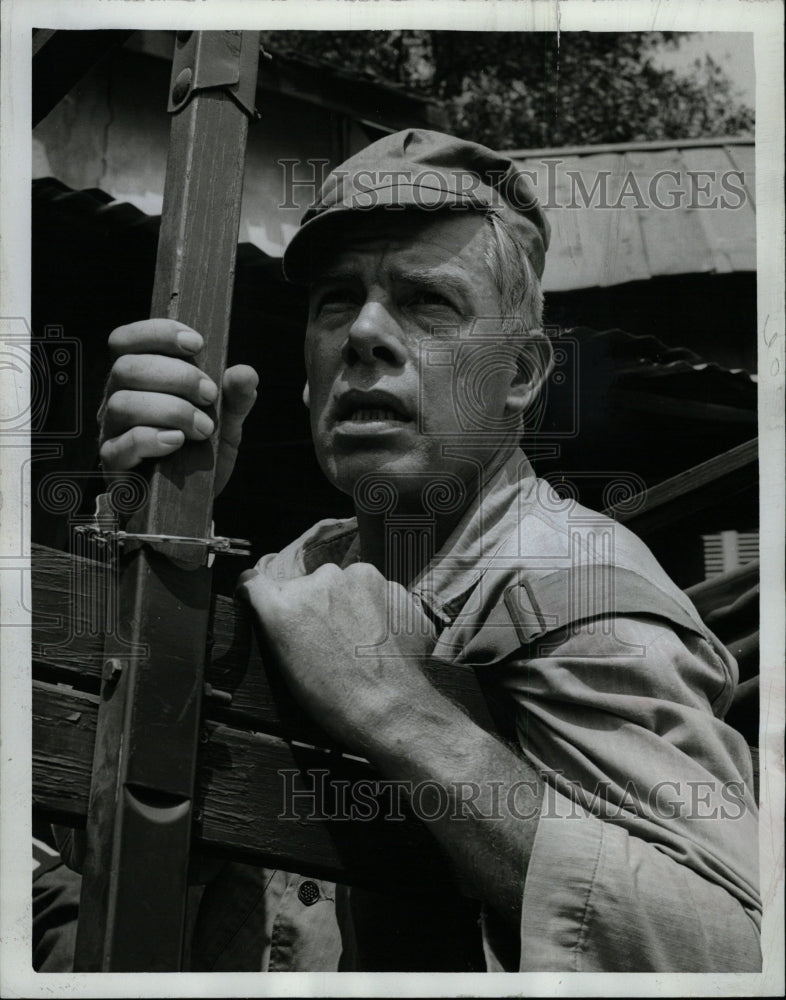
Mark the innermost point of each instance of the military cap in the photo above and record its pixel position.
(420, 169)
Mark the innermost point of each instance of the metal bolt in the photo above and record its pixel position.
(182, 85)
(113, 668)
(222, 697)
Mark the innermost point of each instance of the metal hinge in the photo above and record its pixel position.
(201, 551)
(215, 60)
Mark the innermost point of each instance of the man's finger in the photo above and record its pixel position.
(240, 389)
(126, 409)
(126, 451)
(155, 336)
(245, 577)
(240, 385)
(263, 595)
(158, 373)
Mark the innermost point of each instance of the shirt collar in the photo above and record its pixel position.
(455, 570)
(452, 574)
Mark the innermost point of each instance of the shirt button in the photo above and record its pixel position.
(308, 893)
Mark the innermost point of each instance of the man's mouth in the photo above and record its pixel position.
(369, 415)
(371, 407)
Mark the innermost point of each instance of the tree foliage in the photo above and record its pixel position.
(535, 89)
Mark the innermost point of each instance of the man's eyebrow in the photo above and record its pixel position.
(437, 279)
(334, 273)
(424, 276)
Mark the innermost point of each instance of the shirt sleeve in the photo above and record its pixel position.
(645, 857)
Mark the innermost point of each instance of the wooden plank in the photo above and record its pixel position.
(696, 488)
(64, 731)
(67, 645)
(244, 783)
(307, 80)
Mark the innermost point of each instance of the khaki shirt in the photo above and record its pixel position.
(645, 856)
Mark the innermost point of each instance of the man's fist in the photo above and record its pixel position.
(155, 398)
(350, 644)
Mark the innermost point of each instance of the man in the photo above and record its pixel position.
(612, 824)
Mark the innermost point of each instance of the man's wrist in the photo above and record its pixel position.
(408, 724)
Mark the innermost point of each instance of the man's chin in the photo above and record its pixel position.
(350, 470)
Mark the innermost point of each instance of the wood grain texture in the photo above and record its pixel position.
(243, 806)
(195, 270)
(67, 645)
(702, 486)
(139, 820)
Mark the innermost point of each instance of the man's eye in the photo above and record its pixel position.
(336, 298)
(430, 298)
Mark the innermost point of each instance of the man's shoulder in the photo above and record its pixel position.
(329, 540)
(562, 564)
(552, 536)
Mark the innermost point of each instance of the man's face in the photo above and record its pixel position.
(379, 401)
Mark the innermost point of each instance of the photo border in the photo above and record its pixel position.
(765, 20)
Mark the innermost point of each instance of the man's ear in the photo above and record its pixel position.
(306, 396)
(534, 362)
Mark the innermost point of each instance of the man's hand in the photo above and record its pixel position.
(155, 398)
(349, 643)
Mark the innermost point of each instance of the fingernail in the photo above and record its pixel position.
(170, 437)
(203, 424)
(207, 390)
(189, 340)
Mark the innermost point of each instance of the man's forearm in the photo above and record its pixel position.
(485, 798)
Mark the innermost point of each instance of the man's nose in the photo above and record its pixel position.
(374, 336)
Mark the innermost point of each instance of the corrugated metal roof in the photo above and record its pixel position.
(634, 212)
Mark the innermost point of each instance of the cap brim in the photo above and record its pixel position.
(312, 241)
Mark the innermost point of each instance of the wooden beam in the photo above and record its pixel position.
(705, 484)
(245, 806)
(307, 80)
